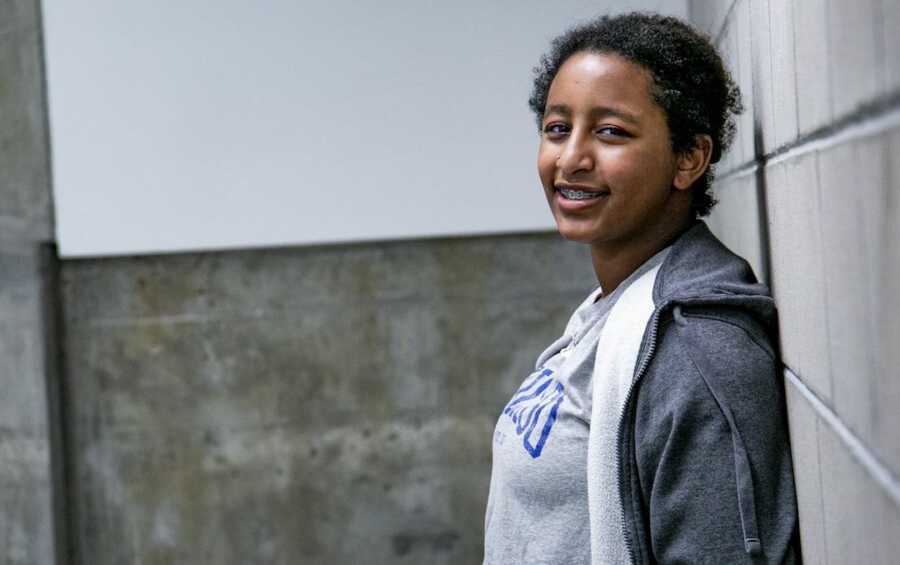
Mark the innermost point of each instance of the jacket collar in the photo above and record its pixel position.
(699, 269)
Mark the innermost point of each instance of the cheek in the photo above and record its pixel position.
(639, 168)
(546, 165)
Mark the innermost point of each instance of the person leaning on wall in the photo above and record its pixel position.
(653, 430)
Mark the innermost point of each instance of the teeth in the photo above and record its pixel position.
(578, 194)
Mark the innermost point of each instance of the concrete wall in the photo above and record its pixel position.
(316, 405)
(27, 351)
(813, 191)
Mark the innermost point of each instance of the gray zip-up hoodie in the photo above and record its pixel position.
(702, 452)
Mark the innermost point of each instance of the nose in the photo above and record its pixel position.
(575, 156)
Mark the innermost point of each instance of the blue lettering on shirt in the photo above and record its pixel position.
(533, 410)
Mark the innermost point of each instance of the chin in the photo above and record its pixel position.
(575, 234)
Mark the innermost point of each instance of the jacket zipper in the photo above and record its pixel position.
(645, 361)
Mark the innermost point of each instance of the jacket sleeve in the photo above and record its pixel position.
(712, 468)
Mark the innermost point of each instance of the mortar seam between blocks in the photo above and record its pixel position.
(726, 21)
(858, 450)
(856, 126)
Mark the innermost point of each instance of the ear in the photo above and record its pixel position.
(692, 163)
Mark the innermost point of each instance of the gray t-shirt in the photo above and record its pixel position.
(537, 510)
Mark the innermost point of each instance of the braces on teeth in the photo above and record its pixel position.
(578, 194)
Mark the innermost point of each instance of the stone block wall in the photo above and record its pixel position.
(812, 192)
(28, 481)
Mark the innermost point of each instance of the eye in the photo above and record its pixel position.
(614, 131)
(556, 130)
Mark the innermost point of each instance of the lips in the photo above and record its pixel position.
(579, 193)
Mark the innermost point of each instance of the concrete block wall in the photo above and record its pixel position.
(28, 527)
(815, 203)
(316, 405)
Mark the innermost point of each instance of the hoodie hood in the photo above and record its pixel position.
(700, 270)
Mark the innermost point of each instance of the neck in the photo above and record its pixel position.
(615, 261)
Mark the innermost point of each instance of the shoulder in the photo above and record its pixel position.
(710, 361)
(712, 346)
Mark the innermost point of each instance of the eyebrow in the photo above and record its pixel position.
(596, 112)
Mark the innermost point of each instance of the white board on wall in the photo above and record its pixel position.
(203, 124)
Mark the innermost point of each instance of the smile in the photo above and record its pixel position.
(575, 194)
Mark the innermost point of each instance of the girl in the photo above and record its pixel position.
(653, 430)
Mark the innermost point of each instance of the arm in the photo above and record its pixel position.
(712, 460)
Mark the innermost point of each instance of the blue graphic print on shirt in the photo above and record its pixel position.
(533, 410)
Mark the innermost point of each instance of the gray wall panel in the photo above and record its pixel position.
(27, 528)
(320, 405)
(826, 110)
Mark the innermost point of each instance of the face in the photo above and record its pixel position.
(605, 160)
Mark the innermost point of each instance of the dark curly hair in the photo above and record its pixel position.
(690, 83)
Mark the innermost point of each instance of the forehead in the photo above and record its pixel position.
(587, 80)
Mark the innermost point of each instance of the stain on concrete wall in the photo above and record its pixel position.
(320, 405)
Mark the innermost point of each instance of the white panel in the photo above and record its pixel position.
(856, 76)
(784, 74)
(804, 426)
(761, 42)
(812, 55)
(198, 124)
(735, 220)
(798, 269)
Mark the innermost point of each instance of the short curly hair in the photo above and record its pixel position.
(690, 82)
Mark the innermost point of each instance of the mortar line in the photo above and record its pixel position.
(859, 125)
(745, 170)
(858, 450)
(720, 33)
(878, 118)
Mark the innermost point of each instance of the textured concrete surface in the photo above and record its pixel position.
(804, 425)
(709, 15)
(730, 34)
(27, 533)
(850, 271)
(862, 525)
(812, 50)
(890, 23)
(888, 321)
(325, 405)
(798, 269)
(761, 55)
(855, 56)
(828, 175)
(736, 218)
(728, 44)
(26, 517)
(832, 484)
(741, 63)
(24, 164)
(784, 73)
